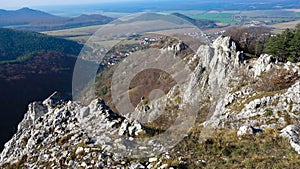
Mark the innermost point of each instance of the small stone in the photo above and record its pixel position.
(101, 165)
(64, 153)
(244, 130)
(292, 132)
(163, 166)
(143, 148)
(136, 166)
(150, 166)
(83, 164)
(71, 163)
(89, 141)
(79, 150)
(103, 156)
(46, 156)
(202, 161)
(152, 159)
(87, 150)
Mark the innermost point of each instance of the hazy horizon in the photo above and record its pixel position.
(149, 4)
(16, 4)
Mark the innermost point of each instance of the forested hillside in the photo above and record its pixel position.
(32, 66)
(18, 45)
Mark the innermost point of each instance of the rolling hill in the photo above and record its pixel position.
(15, 44)
(35, 20)
(23, 16)
(200, 23)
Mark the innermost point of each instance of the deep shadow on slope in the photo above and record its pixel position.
(36, 79)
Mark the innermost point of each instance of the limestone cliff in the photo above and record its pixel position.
(226, 89)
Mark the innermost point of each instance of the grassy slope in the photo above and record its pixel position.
(261, 15)
(278, 28)
(80, 35)
(224, 149)
(87, 30)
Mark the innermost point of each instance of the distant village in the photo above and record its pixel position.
(258, 21)
(118, 53)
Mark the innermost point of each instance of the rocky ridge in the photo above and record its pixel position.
(49, 128)
(230, 91)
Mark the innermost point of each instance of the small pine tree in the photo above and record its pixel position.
(285, 46)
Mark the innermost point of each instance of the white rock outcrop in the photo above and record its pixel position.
(50, 124)
(262, 64)
(292, 132)
(54, 131)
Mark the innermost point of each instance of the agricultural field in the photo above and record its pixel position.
(278, 20)
(218, 17)
(280, 27)
(293, 10)
(80, 35)
(240, 17)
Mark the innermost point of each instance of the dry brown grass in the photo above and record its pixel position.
(280, 27)
(275, 80)
(145, 81)
(224, 149)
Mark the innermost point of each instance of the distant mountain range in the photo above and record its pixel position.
(173, 5)
(35, 20)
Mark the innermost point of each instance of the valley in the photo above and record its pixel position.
(181, 85)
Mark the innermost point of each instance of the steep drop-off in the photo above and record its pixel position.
(247, 115)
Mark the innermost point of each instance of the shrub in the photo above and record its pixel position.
(268, 112)
(103, 90)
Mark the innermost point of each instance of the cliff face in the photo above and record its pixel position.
(225, 90)
(55, 130)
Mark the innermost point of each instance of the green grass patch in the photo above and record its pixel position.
(271, 19)
(268, 112)
(20, 59)
(218, 17)
(103, 90)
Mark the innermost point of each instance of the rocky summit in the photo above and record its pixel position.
(227, 90)
(55, 130)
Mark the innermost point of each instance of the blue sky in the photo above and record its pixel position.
(15, 4)
(191, 4)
